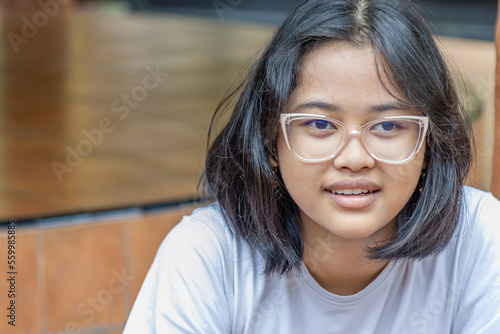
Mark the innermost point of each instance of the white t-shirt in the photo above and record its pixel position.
(204, 280)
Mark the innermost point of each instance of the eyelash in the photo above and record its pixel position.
(394, 124)
(329, 125)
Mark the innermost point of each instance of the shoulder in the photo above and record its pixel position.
(481, 214)
(473, 254)
(189, 286)
(478, 199)
(205, 244)
(464, 278)
(203, 223)
(478, 262)
(204, 235)
(478, 243)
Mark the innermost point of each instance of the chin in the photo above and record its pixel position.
(361, 230)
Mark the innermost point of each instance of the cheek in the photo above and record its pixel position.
(406, 176)
(298, 176)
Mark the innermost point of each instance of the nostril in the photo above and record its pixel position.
(354, 156)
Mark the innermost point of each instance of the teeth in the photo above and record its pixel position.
(351, 191)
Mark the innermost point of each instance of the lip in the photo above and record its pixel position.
(353, 201)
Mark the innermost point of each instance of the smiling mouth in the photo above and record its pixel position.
(352, 192)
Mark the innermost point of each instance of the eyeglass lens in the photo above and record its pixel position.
(390, 140)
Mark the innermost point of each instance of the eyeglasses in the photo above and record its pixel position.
(316, 138)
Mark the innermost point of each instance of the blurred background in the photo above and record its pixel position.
(104, 111)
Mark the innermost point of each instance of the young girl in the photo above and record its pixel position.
(339, 198)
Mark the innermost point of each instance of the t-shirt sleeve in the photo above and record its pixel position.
(184, 290)
(479, 304)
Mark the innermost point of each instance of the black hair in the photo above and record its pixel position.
(238, 173)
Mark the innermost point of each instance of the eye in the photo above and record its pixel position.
(386, 126)
(320, 124)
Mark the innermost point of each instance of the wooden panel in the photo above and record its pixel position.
(111, 111)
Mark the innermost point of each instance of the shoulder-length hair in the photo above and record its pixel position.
(238, 173)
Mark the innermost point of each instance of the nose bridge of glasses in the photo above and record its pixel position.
(351, 132)
(354, 131)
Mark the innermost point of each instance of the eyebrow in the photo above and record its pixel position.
(395, 105)
(319, 105)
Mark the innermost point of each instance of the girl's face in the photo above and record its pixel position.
(340, 81)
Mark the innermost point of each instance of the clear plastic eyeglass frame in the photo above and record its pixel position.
(423, 122)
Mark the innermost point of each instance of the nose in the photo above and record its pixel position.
(353, 154)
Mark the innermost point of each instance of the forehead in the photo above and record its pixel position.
(345, 74)
(339, 55)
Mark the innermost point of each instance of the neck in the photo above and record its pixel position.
(340, 266)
